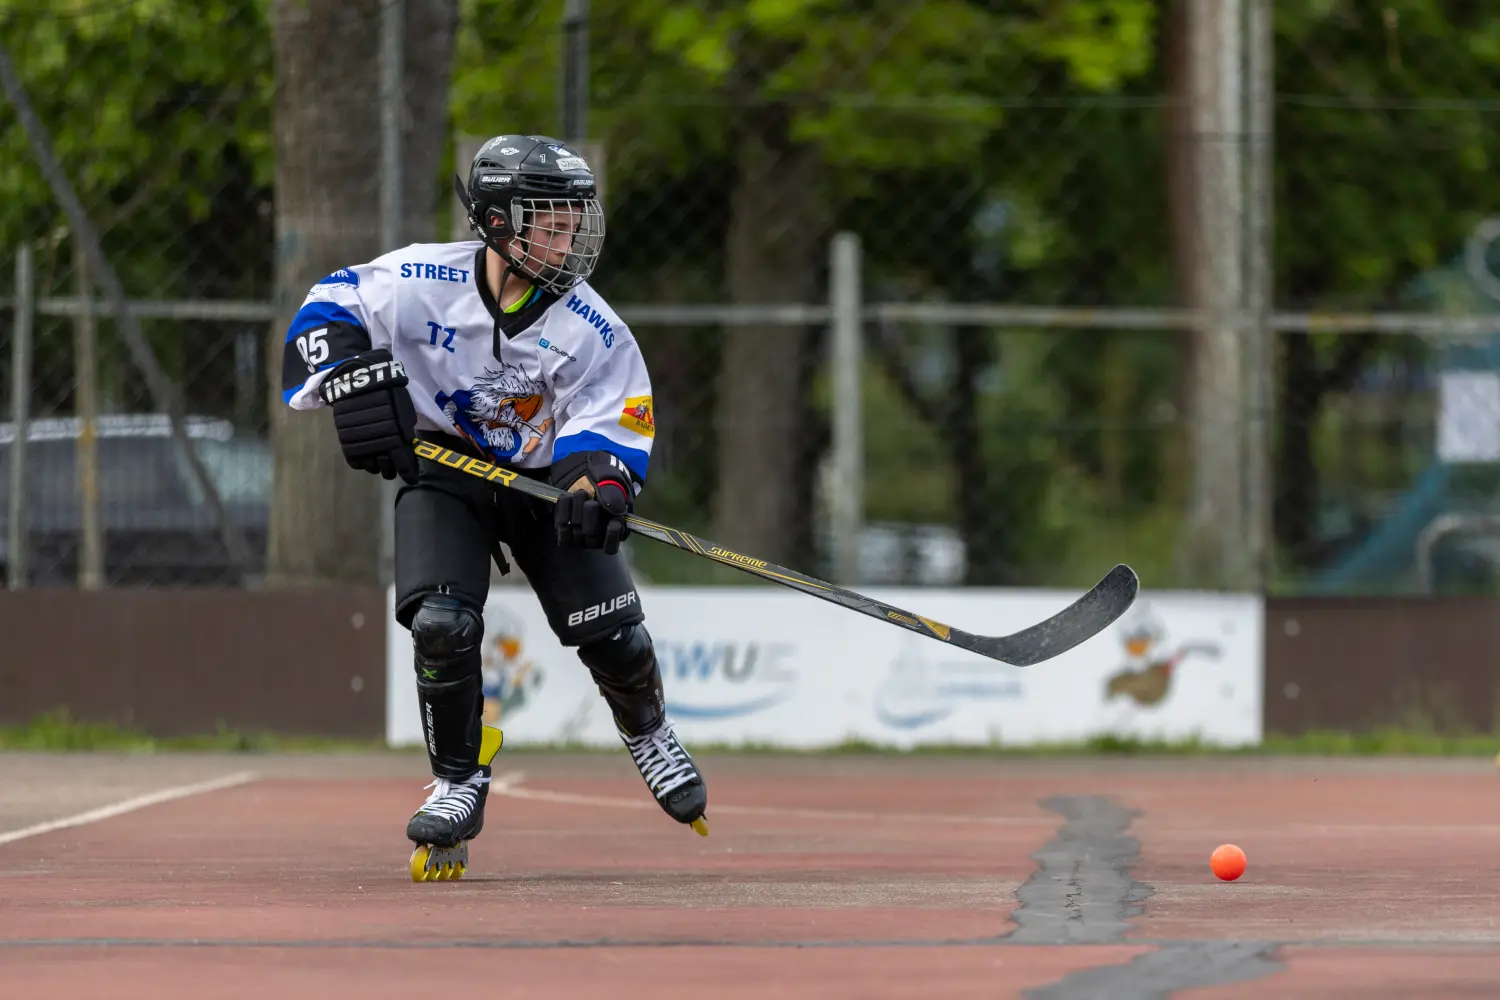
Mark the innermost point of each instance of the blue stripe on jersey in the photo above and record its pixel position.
(635, 460)
(320, 314)
(287, 394)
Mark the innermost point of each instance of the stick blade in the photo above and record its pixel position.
(1085, 618)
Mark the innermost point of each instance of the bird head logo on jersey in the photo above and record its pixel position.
(499, 412)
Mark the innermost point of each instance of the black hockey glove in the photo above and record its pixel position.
(601, 492)
(373, 414)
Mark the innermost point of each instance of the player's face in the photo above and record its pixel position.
(549, 237)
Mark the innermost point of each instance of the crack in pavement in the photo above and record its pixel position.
(1163, 972)
(1083, 893)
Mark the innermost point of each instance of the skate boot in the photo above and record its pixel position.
(670, 774)
(452, 816)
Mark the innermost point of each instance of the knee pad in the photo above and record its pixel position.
(446, 634)
(625, 669)
(625, 657)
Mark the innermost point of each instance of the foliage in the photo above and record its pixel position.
(1386, 142)
(159, 111)
(997, 152)
(905, 104)
(1385, 145)
(875, 87)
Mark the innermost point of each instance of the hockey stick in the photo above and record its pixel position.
(1081, 620)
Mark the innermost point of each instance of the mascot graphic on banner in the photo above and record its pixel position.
(510, 680)
(498, 412)
(1146, 677)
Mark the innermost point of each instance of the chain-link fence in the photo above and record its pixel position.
(1385, 140)
(157, 117)
(1201, 285)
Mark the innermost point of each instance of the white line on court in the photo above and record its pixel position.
(128, 805)
(509, 785)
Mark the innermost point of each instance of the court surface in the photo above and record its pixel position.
(840, 876)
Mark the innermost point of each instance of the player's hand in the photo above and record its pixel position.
(601, 492)
(373, 414)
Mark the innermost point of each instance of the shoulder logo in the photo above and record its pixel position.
(343, 276)
(639, 416)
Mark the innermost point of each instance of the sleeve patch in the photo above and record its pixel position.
(639, 416)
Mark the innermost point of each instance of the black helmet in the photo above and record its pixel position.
(526, 190)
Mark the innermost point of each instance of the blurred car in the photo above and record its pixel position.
(157, 528)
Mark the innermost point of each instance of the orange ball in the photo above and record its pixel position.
(1227, 862)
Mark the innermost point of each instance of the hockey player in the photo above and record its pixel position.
(499, 348)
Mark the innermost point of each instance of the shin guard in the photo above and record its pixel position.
(625, 668)
(446, 636)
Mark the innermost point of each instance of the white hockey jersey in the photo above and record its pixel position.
(559, 376)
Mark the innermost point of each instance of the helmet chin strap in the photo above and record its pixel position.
(513, 267)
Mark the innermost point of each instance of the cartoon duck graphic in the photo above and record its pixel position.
(508, 680)
(1147, 675)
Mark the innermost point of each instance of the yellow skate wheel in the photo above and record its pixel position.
(700, 826)
(439, 864)
(418, 864)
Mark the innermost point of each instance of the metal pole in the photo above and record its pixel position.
(1229, 247)
(575, 88)
(392, 74)
(846, 507)
(1212, 550)
(246, 385)
(1260, 71)
(20, 409)
(86, 408)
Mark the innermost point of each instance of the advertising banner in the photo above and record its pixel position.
(761, 666)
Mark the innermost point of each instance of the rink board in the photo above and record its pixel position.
(756, 666)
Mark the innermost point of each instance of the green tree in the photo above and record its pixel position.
(159, 111)
(1386, 148)
(762, 122)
